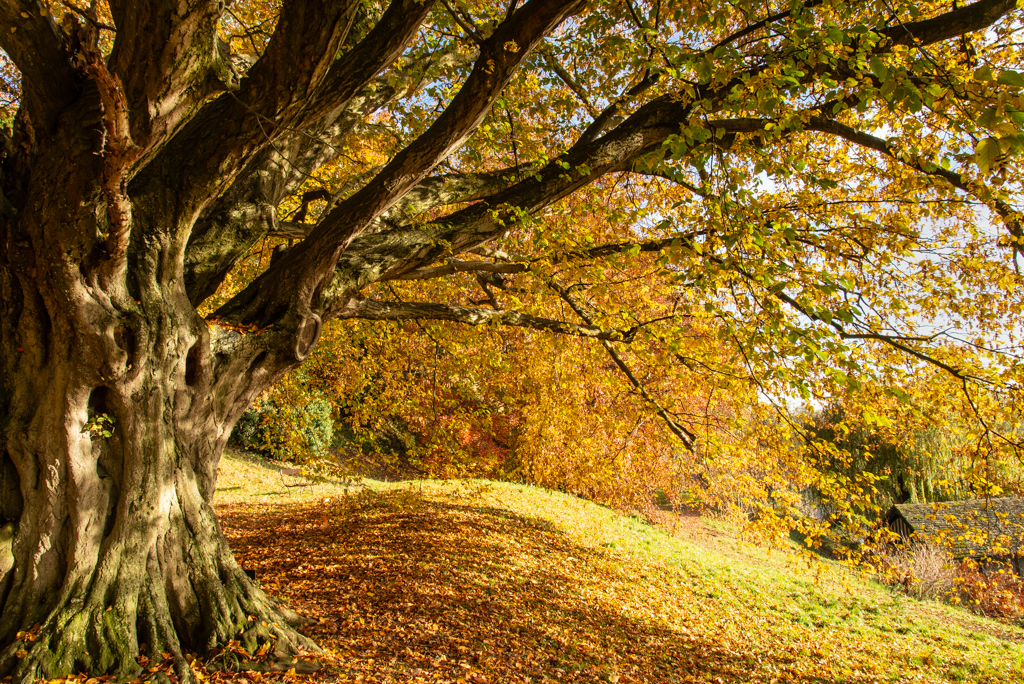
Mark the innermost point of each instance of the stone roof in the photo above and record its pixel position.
(981, 527)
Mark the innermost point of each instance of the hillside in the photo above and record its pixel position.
(475, 581)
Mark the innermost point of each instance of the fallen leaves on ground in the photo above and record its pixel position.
(450, 584)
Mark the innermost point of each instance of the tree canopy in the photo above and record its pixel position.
(720, 209)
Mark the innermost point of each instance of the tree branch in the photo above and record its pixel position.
(34, 43)
(463, 24)
(166, 61)
(959, 21)
(428, 194)
(459, 266)
(681, 432)
(607, 118)
(299, 276)
(213, 148)
(370, 309)
(1010, 216)
(569, 81)
(757, 25)
(501, 54)
(301, 53)
(358, 66)
(898, 342)
(246, 212)
(524, 264)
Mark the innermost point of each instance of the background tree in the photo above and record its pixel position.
(913, 455)
(824, 188)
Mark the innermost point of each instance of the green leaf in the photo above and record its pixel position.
(879, 69)
(704, 70)
(1011, 78)
(986, 153)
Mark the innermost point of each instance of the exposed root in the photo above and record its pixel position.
(135, 639)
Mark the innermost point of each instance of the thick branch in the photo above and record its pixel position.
(166, 59)
(523, 264)
(973, 17)
(382, 46)
(301, 52)
(35, 45)
(370, 309)
(439, 191)
(298, 277)
(499, 57)
(459, 266)
(208, 153)
(247, 211)
(428, 194)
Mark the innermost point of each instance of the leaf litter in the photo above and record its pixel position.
(469, 582)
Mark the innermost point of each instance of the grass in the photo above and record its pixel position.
(473, 581)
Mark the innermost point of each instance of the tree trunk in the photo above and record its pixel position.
(110, 542)
(113, 417)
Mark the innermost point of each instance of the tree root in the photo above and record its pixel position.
(135, 640)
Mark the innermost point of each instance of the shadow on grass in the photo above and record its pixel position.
(409, 589)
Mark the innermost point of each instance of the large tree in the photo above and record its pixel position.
(779, 167)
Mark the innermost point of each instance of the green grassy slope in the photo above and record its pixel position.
(492, 582)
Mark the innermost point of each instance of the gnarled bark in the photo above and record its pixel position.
(113, 425)
(116, 400)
